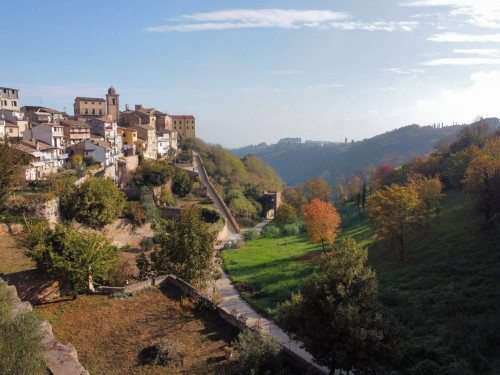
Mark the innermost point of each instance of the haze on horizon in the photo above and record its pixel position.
(256, 72)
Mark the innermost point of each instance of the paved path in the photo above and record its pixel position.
(231, 299)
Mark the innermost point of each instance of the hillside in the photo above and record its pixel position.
(296, 163)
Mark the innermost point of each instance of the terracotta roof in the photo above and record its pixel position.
(38, 108)
(180, 117)
(74, 124)
(89, 99)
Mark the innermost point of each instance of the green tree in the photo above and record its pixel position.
(318, 188)
(295, 196)
(79, 258)
(338, 317)
(257, 353)
(98, 202)
(182, 183)
(11, 162)
(22, 351)
(285, 214)
(186, 248)
(394, 212)
(429, 191)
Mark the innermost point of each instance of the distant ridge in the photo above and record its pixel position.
(296, 162)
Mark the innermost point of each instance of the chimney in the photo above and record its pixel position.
(37, 145)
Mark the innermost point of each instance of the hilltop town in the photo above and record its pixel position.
(97, 130)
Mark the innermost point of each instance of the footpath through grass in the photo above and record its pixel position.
(446, 291)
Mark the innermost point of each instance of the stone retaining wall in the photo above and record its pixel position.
(61, 359)
(236, 321)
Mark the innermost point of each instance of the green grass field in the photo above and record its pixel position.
(446, 291)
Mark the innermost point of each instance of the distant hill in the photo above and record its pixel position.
(297, 162)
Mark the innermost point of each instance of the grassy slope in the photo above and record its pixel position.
(446, 291)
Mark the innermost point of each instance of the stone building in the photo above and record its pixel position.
(14, 121)
(184, 125)
(113, 104)
(75, 131)
(88, 108)
(129, 140)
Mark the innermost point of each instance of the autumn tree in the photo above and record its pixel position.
(186, 248)
(295, 197)
(429, 191)
(394, 212)
(285, 214)
(11, 162)
(482, 181)
(338, 317)
(322, 222)
(318, 188)
(354, 187)
(78, 258)
(384, 176)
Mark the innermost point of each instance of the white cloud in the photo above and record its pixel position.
(324, 86)
(457, 37)
(482, 13)
(277, 18)
(403, 71)
(490, 52)
(462, 61)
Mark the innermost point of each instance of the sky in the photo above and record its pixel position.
(257, 71)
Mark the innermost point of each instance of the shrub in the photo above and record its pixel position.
(292, 229)
(250, 234)
(182, 183)
(257, 352)
(146, 243)
(121, 273)
(285, 214)
(162, 352)
(136, 214)
(270, 231)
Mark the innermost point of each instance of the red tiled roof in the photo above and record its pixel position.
(180, 117)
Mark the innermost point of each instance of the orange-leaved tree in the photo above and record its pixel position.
(322, 222)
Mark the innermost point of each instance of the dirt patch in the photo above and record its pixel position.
(12, 257)
(109, 334)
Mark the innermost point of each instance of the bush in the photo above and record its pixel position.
(182, 183)
(136, 214)
(270, 231)
(292, 229)
(285, 214)
(146, 243)
(257, 352)
(121, 273)
(162, 352)
(250, 234)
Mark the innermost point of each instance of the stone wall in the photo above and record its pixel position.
(228, 316)
(61, 359)
(49, 210)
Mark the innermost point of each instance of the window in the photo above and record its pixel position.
(175, 122)
(114, 101)
(100, 111)
(85, 102)
(93, 103)
(93, 111)
(13, 91)
(4, 102)
(5, 91)
(11, 130)
(175, 127)
(86, 111)
(14, 103)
